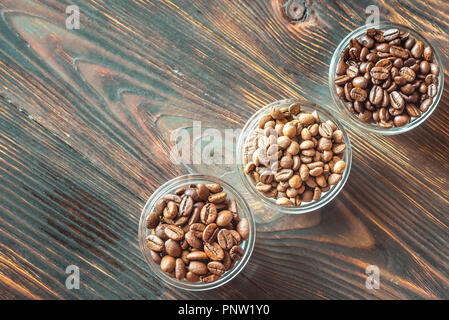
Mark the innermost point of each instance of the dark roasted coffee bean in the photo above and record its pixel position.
(401, 120)
(407, 73)
(172, 197)
(417, 49)
(390, 34)
(376, 95)
(412, 110)
(399, 52)
(358, 94)
(396, 100)
(197, 256)
(168, 264)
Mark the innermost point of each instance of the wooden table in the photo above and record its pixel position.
(85, 123)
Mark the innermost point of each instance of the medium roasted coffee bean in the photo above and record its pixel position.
(210, 278)
(236, 253)
(376, 95)
(243, 228)
(197, 256)
(224, 218)
(197, 229)
(412, 110)
(198, 267)
(160, 206)
(216, 268)
(155, 256)
(168, 264)
(180, 269)
(418, 49)
(174, 232)
(155, 243)
(152, 220)
(208, 213)
(214, 251)
(432, 90)
(407, 73)
(217, 197)
(171, 210)
(214, 187)
(192, 277)
(172, 248)
(186, 206)
(210, 233)
(225, 239)
(193, 241)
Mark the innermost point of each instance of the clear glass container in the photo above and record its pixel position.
(270, 203)
(414, 122)
(244, 212)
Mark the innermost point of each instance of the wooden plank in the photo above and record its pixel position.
(85, 133)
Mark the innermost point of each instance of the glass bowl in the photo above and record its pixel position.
(244, 212)
(306, 207)
(414, 122)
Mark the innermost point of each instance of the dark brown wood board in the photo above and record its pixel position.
(85, 123)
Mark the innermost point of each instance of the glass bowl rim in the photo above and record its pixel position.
(314, 205)
(244, 211)
(375, 128)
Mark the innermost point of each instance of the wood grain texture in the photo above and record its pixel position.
(85, 124)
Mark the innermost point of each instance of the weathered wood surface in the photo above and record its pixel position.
(85, 122)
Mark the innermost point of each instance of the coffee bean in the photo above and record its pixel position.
(217, 197)
(412, 110)
(236, 253)
(168, 264)
(186, 206)
(379, 73)
(214, 251)
(210, 278)
(174, 232)
(192, 277)
(208, 213)
(197, 229)
(407, 73)
(214, 187)
(155, 243)
(396, 100)
(390, 34)
(224, 218)
(401, 120)
(225, 239)
(210, 233)
(358, 94)
(193, 241)
(198, 267)
(180, 269)
(418, 49)
(197, 255)
(243, 228)
(155, 256)
(172, 248)
(432, 90)
(216, 268)
(171, 210)
(152, 220)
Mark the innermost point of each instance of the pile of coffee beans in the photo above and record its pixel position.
(293, 156)
(196, 233)
(387, 77)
